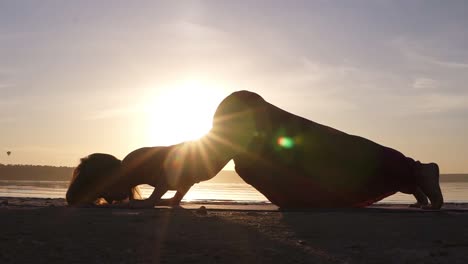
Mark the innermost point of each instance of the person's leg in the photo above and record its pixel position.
(158, 192)
(421, 198)
(421, 180)
(179, 195)
(428, 181)
(351, 171)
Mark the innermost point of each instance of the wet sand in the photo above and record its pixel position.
(46, 231)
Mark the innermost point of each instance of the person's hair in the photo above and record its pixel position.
(96, 174)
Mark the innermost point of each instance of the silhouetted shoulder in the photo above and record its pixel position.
(147, 153)
(239, 99)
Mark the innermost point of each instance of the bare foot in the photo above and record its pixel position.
(429, 207)
(428, 180)
(416, 205)
(421, 199)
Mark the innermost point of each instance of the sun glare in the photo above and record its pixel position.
(182, 112)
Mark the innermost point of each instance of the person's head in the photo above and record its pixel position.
(97, 179)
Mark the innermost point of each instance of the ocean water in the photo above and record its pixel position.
(456, 192)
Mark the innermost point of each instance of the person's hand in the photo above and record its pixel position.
(430, 207)
(416, 205)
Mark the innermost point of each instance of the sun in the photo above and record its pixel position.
(182, 112)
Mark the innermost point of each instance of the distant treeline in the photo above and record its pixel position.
(35, 173)
(454, 177)
(51, 173)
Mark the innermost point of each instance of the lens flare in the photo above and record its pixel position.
(285, 142)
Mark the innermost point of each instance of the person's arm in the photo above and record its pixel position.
(152, 200)
(175, 201)
(421, 198)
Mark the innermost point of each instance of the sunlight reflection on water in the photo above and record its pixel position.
(206, 191)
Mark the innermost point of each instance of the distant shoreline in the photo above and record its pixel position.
(443, 178)
(53, 173)
(453, 177)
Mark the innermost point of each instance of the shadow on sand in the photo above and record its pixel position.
(69, 235)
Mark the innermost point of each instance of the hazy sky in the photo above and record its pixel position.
(78, 77)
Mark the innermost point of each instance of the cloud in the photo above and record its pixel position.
(5, 85)
(4, 36)
(5, 77)
(441, 63)
(421, 53)
(37, 148)
(335, 88)
(118, 112)
(6, 113)
(4, 102)
(348, 80)
(4, 120)
(186, 36)
(7, 70)
(348, 88)
(437, 103)
(422, 83)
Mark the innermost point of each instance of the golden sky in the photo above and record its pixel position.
(112, 76)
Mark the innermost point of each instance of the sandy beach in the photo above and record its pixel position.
(46, 231)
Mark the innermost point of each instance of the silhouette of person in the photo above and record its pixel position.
(293, 161)
(104, 179)
(298, 163)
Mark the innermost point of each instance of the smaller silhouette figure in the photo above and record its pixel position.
(103, 179)
(8, 153)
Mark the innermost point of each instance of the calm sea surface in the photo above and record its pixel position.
(206, 191)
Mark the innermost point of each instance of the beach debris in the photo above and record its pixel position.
(8, 153)
(202, 210)
(301, 242)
